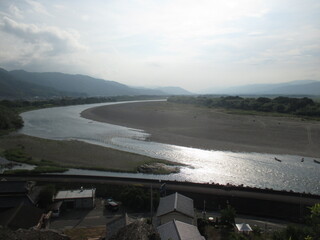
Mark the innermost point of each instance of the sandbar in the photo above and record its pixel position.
(214, 129)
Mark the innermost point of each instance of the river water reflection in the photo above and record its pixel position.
(249, 169)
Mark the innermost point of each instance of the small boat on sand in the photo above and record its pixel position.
(316, 161)
(277, 159)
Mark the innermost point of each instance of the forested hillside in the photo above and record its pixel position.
(12, 88)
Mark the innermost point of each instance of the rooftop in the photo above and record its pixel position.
(22, 216)
(13, 201)
(13, 187)
(177, 230)
(72, 194)
(176, 203)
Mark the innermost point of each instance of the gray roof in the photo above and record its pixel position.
(13, 187)
(73, 194)
(176, 203)
(177, 230)
(14, 201)
(21, 216)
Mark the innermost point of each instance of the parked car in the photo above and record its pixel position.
(111, 205)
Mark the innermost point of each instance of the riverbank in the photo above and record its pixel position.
(76, 154)
(204, 128)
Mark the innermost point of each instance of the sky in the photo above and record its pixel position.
(194, 44)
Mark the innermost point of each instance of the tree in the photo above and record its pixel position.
(228, 215)
(46, 196)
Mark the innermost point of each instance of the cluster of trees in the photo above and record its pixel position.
(138, 199)
(9, 119)
(22, 105)
(298, 106)
(308, 231)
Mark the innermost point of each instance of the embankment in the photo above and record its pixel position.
(257, 202)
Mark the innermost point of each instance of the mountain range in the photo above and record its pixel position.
(23, 84)
(299, 87)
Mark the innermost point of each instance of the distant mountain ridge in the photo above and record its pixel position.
(174, 90)
(11, 87)
(299, 87)
(23, 84)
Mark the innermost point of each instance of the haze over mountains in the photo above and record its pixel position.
(300, 87)
(23, 84)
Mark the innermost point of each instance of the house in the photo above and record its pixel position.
(175, 207)
(176, 230)
(22, 216)
(15, 193)
(80, 198)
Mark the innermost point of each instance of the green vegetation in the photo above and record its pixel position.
(38, 170)
(46, 195)
(280, 105)
(219, 230)
(75, 154)
(42, 166)
(9, 119)
(137, 198)
(24, 105)
(228, 215)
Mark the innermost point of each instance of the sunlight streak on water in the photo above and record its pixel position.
(249, 169)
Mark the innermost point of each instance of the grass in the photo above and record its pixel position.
(42, 166)
(71, 154)
(38, 170)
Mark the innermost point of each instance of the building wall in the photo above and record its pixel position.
(177, 216)
(84, 203)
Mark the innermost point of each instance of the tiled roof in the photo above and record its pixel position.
(176, 203)
(177, 230)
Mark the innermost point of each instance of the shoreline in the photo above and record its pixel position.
(211, 129)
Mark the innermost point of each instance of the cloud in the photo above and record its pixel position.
(15, 11)
(38, 7)
(52, 40)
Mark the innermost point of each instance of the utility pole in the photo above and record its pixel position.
(204, 214)
(151, 203)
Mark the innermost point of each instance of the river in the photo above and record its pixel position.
(204, 166)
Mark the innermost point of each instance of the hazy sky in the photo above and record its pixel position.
(193, 44)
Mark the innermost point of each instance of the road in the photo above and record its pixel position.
(208, 189)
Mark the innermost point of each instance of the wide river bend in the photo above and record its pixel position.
(205, 166)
